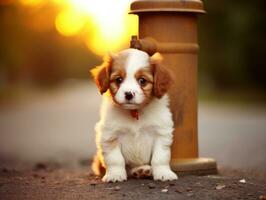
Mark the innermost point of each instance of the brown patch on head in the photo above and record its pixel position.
(118, 73)
(162, 76)
(144, 78)
(102, 73)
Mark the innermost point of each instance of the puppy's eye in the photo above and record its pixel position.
(142, 81)
(119, 80)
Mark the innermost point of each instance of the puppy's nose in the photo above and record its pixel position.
(128, 95)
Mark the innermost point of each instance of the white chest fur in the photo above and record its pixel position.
(134, 137)
(136, 145)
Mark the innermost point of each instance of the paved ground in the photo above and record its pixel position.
(58, 126)
(45, 183)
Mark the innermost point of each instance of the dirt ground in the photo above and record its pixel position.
(43, 182)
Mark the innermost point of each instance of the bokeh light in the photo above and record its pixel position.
(69, 23)
(103, 25)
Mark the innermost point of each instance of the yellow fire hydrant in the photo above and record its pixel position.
(170, 27)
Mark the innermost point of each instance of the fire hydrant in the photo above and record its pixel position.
(170, 27)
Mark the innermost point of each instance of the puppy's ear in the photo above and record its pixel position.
(162, 77)
(102, 73)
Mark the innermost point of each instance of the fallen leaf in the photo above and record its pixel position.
(151, 185)
(164, 190)
(242, 181)
(93, 184)
(117, 188)
(190, 194)
(219, 187)
(178, 190)
(172, 184)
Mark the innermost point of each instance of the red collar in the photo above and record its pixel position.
(135, 114)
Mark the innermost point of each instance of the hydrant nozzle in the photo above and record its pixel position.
(148, 44)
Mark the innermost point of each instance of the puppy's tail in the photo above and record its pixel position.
(97, 167)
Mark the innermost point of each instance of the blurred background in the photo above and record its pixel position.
(49, 104)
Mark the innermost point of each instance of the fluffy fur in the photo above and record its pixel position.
(133, 82)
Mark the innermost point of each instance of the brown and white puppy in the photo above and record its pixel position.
(134, 133)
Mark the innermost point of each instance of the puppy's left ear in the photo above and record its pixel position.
(102, 73)
(162, 77)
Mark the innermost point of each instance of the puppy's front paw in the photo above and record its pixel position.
(115, 175)
(163, 173)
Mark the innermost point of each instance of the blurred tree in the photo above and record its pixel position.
(232, 37)
(33, 52)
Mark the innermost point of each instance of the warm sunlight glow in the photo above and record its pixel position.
(113, 26)
(32, 2)
(69, 23)
(104, 25)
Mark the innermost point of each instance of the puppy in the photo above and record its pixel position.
(134, 134)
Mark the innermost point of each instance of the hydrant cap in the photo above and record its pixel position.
(140, 6)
